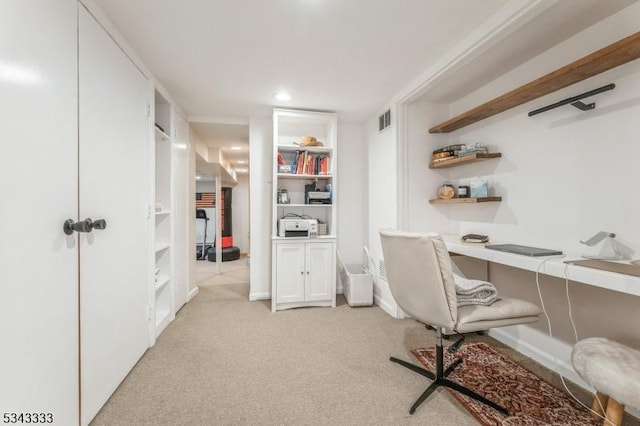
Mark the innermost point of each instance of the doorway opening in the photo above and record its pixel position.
(222, 204)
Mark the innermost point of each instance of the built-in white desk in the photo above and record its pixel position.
(553, 265)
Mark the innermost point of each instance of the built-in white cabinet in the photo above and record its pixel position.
(304, 188)
(303, 272)
(163, 312)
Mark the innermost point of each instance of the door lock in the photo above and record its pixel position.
(86, 225)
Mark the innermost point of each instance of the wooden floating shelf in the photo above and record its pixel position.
(466, 200)
(458, 161)
(616, 54)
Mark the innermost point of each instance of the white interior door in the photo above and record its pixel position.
(38, 183)
(114, 166)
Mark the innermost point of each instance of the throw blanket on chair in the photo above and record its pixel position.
(474, 292)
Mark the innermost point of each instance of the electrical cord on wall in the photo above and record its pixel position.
(575, 332)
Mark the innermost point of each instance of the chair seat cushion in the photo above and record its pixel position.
(501, 313)
(610, 367)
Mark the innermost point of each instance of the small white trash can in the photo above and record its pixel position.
(357, 282)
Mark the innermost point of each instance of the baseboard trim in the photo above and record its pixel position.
(259, 296)
(554, 363)
(385, 306)
(194, 291)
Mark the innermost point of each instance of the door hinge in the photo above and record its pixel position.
(148, 110)
(149, 312)
(148, 211)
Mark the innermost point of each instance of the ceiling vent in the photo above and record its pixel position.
(384, 120)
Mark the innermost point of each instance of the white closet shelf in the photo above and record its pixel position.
(161, 247)
(162, 282)
(161, 134)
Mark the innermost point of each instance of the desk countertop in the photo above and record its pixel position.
(553, 265)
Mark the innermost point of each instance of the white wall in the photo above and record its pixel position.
(382, 175)
(260, 153)
(565, 174)
(240, 212)
(352, 156)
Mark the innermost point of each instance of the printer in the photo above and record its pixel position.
(318, 197)
(297, 227)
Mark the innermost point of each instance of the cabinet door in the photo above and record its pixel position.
(319, 267)
(114, 162)
(290, 272)
(39, 178)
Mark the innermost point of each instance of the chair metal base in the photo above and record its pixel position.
(440, 379)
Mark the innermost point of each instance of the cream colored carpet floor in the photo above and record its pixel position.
(228, 361)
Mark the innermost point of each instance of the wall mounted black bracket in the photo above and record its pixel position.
(575, 100)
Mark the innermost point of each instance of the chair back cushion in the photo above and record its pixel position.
(420, 276)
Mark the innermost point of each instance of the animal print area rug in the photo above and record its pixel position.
(529, 399)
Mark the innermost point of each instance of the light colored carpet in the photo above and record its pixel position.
(228, 361)
(231, 272)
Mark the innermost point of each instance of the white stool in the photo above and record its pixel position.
(613, 370)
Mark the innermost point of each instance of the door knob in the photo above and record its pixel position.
(86, 225)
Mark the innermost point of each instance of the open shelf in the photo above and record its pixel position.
(305, 205)
(161, 247)
(161, 134)
(310, 149)
(458, 161)
(618, 53)
(296, 176)
(162, 281)
(466, 200)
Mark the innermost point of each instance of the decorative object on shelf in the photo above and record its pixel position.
(477, 148)
(575, 101)
(322, 228)
(446, 192)
(478, 188)
(309, 141)
(475, 238)
(464, 191)
(283, 196)
(447, 162)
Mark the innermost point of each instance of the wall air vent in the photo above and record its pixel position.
(382, 270)
(384, 120)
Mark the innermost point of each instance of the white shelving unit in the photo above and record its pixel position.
(163, 230)
(304, 269)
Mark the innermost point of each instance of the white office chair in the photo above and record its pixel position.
(421, 281)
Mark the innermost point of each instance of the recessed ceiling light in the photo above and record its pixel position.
(198, 177)
(242, 162)
(282, 96)
(236, 148)
(241, 170)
